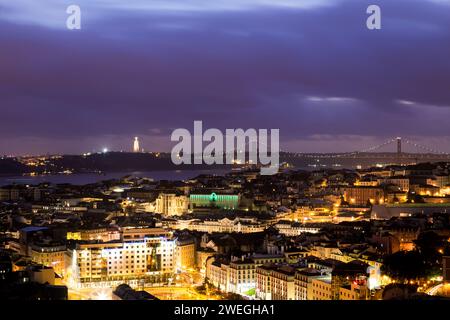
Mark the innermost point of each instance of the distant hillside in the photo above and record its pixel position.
(10, 166)
(122, 161)
(125, 161)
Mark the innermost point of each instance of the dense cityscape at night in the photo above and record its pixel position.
(380, 232)
(247, 151)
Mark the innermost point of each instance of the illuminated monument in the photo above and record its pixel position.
(222, 201)
(136, 145)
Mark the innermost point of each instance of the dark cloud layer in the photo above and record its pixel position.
(316, 73)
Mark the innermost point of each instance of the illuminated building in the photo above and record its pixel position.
(401, 182)
(101, 234)
(202, 258)
(167, 204)
(426, 190)
(42, 275)
(239, 275)
(171, 204)
(275, 282)
(387, 211)
(222, 201)
(329, 252)
(407, 235)
(445, 190)
(144, 255)
(49, 255)
(367, 183)
(218, 274)
(58, 207)
(136, 147)
(307, 215)
(354, 291)
(442, 180)
(321, 289)
(292, 229)
(262, 283)
(361, 195)
(282, 283)
(395, 197)
(349, 281)
(186, 254)
(242, 225)
(303, 283)
(324, 252)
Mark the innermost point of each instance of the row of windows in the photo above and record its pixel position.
(241, 278)
(86, 269)
(315, 285)
(320, 293)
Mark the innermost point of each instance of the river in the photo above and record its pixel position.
(86, 178)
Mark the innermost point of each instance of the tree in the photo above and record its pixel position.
(234, 296)
(396, 200)
(431, 246)
(414, 198)
(405, 265)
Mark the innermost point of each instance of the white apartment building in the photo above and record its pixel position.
(282, 283)
(303, 282)
(144, 255)
(239, 276)
(292, 229)
(222, 225)
(263, 284)
(275, 282)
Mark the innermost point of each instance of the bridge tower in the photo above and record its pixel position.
(399, 149)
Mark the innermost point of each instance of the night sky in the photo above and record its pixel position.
(140, 67)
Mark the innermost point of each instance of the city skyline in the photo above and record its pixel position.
(393, 146)
(313, 70)
(225, 155)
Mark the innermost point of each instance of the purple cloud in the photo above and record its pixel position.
(313, 71)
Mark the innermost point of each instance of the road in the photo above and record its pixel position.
(186, 292)
(182, 288)
(180, 293)
(432, 291)
(441, 289)
(90, 294)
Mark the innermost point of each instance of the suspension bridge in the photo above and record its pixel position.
(393, 151)
(396, 150)
(418, 150)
